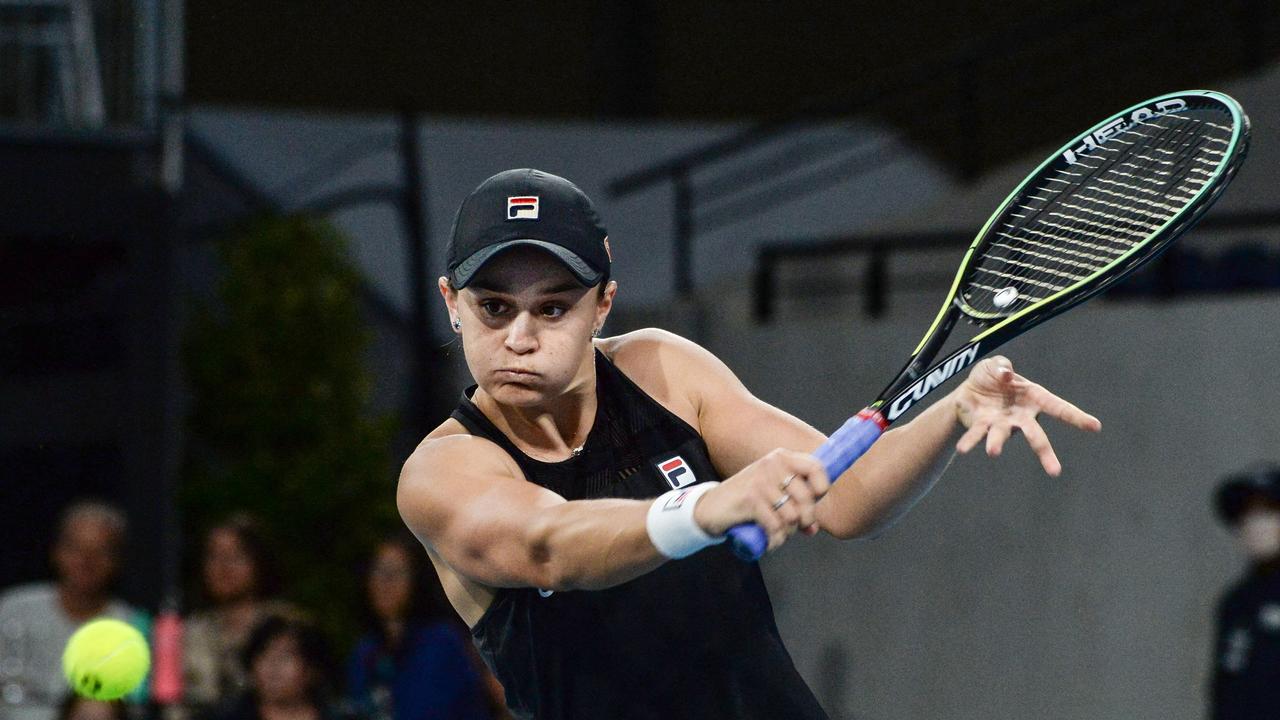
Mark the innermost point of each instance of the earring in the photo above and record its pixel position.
(457, 324)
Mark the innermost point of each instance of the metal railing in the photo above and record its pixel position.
(83, 64)
(875, 281)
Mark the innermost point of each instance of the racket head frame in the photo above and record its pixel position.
(996, 329)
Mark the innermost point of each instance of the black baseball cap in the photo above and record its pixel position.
(1235, 491)
(528, 207)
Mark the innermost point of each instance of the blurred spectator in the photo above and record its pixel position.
(240, 584)
(36, 620)
(415, 662)
(289, 673)
(1246, 678)
(75, 707)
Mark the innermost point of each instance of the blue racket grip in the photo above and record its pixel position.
(837, 454)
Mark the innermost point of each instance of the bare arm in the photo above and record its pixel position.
(464, 498)
(468, 501)
(903, 465)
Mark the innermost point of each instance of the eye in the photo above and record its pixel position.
(492, 307)
(554, 311)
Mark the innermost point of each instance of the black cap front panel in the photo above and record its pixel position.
(528, 205)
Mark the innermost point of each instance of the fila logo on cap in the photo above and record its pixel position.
(677, 472)
(522, 208)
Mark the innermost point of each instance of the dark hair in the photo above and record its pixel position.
(311, 646)
(106, 512)
(1259, 482)
(427, 601)
(69, 703)
(253, 536)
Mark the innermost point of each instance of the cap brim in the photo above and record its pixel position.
(466, 270)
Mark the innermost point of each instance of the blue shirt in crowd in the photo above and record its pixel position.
(431, 676)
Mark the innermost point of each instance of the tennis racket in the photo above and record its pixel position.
(1097, 209)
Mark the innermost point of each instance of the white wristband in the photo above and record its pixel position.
(671, 526)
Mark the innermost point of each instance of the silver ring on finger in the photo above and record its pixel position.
(786, 498)
(787, 482)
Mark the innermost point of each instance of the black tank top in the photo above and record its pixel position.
(694, 638)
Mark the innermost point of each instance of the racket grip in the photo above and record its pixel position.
(837, 454)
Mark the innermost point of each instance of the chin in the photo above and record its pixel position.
(517, 395)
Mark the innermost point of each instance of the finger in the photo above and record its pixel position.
(788, 514)
(996, 438)
(768, 519)
(810, 530)
(971, 437)
(777, 530)
(1000, 368)
(806, 505)
(776, 539)
(1066, 412)
(809, 469)
(1039, 442)
(801, 490)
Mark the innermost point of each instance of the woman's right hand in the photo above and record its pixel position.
(778, 492)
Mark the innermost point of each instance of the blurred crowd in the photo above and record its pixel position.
(247, 654)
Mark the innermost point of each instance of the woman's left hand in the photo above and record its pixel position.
(994, 402)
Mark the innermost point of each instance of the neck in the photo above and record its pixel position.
(552, 431)
(293, 707)
(394, 630)
(1266, 566)
(238, 615)
(81, 606)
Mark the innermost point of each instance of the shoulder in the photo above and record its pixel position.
(450, 450)
(669, 367)
(643, 349)
(199, 621)
(447, 466)
(277, 607)
(1237, 595)
(32, 596)
(122, 610)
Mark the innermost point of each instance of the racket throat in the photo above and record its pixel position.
(942, 372)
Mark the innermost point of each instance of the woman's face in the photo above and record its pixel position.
(526, 327)
(229, 574)
(390, 582)
(280, 673)
(86, 709)
(1259, 530)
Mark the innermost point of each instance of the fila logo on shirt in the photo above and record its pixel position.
(524, 207)
(677, 472)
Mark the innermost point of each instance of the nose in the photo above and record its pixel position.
(522, 335)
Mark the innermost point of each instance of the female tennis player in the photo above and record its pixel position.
(576, 501)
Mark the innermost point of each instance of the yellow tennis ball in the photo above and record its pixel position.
(106, 659)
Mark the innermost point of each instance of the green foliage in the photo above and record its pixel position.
(279, 423)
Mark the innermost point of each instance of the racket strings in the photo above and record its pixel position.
(1079, 219)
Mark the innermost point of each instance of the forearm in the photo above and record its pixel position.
(591, 544)
(898, 470)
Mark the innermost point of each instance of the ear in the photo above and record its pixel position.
(450, 298)
(605, 303)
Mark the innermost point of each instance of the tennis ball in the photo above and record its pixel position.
(106, 659)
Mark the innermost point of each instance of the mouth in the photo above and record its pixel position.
(516, 374)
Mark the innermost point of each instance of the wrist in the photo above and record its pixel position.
(671, 524)
(960, 410)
